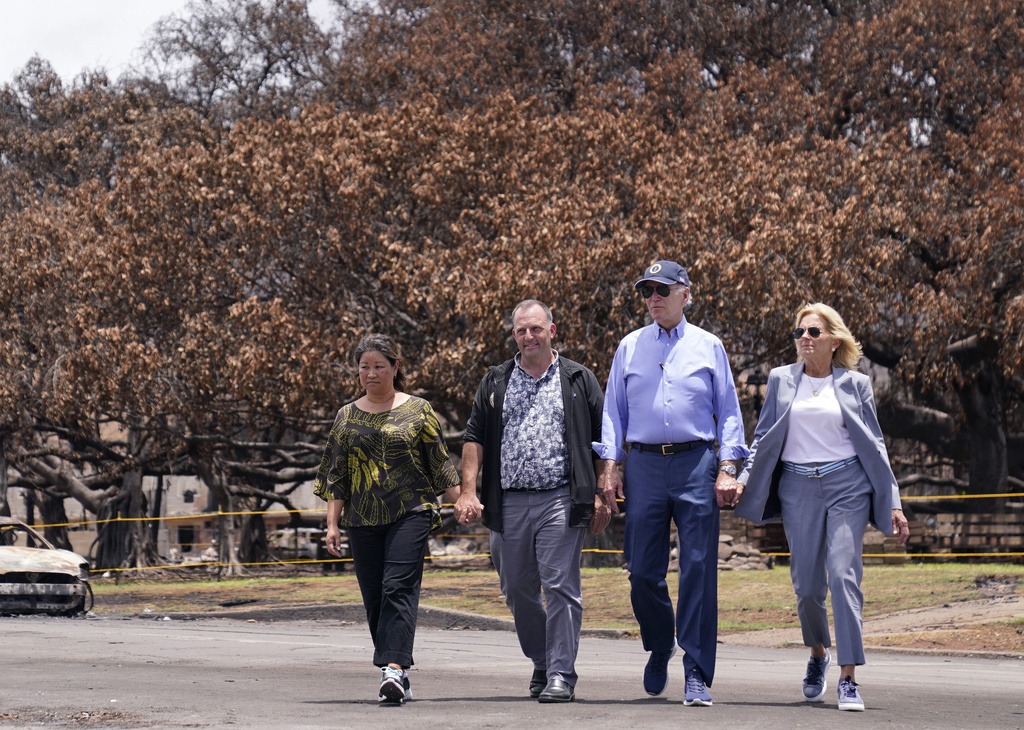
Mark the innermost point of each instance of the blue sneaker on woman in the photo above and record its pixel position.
(814, 680)
(849, 696)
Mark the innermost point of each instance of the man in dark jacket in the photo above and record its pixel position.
(533, 422)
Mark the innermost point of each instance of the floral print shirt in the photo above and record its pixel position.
(533, 449)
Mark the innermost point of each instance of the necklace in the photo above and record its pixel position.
(816, 386)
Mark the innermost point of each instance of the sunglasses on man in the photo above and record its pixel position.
(814, 332)
(647, 291)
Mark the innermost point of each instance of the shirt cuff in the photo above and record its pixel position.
(733, 453)
(611, 453)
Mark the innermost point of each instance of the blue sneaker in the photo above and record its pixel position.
(849, 697)
(656, 671)
(814, 680)
(697, 694)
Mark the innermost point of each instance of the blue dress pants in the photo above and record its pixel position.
(680, 488)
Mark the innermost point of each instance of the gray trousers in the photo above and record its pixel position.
(825, 518)
(538, 561)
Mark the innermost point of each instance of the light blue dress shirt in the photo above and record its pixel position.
(671, 387)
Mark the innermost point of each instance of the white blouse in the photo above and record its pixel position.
(816, 431)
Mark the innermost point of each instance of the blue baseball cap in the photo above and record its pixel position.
(664, 272)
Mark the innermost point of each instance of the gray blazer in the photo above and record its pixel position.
(760, 500)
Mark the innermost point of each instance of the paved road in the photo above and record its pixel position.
(224, 673)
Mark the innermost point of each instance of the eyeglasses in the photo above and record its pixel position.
(814, 332)
(647, 291)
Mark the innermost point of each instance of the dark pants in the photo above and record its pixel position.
(388, 560)
(660, 490)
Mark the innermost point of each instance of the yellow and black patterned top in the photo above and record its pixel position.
(386, 465)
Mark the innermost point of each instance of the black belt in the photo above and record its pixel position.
(669, 449)
(536, 489)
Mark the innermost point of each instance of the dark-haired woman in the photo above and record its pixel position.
(383, 470)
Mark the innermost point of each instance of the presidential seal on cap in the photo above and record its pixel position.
(664, 272)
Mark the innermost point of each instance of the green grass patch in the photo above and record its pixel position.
(748, 600)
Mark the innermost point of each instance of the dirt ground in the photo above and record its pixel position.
(993, 625)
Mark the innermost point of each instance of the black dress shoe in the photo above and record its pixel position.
(538, 682)
(557, 690)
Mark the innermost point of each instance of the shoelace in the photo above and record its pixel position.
(847, 688)
(815, 670)
(695, 684)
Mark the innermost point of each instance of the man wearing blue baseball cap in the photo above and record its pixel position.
(670, 397)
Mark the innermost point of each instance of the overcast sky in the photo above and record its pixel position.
(77, 34)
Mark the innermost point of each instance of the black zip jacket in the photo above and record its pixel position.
(583, 402)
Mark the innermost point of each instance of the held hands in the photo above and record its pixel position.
(610, 485)
(727, 490)
(468, 508)
(602, 514)
(900, 526)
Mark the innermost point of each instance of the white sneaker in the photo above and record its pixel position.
(392, 688)
(849, 696)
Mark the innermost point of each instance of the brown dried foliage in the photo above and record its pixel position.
(193, 258)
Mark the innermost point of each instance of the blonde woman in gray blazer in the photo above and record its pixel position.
(819, 462)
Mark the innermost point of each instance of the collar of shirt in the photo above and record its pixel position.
(551, 368)
(676, 332)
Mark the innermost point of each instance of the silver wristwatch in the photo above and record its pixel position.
(728, 469)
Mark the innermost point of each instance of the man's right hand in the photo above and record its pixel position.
(468, 508)
(610, 483)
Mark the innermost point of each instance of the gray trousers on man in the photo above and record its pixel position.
(825, 518)
(538, 560)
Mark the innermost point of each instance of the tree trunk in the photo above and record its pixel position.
(5, 506)
(229, 564)
(30, 506)
(113, 546)
(987, 469)
(141, 553)
(254, 548)
(1015, 455)
(55, 519)
(216, 480)
(155, 514)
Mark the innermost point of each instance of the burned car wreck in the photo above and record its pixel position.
(36, 577)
